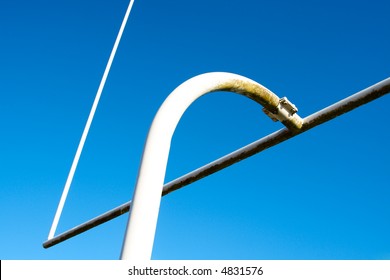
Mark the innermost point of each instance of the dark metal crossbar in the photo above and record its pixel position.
(348, 104)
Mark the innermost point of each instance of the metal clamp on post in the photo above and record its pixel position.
(286, 114)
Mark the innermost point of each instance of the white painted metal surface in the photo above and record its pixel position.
(140, 232)
(88, 125)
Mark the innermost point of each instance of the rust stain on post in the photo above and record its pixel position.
(264, 97)
(254, 91)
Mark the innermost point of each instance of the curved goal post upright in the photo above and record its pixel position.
(142, 222)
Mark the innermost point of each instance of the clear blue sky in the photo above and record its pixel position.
(322, 195)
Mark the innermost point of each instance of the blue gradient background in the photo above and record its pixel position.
(321, 195)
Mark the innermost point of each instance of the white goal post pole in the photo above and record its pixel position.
(141, 227)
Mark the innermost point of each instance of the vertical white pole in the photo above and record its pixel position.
(88, 125)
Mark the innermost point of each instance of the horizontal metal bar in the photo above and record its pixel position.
(348, 104)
